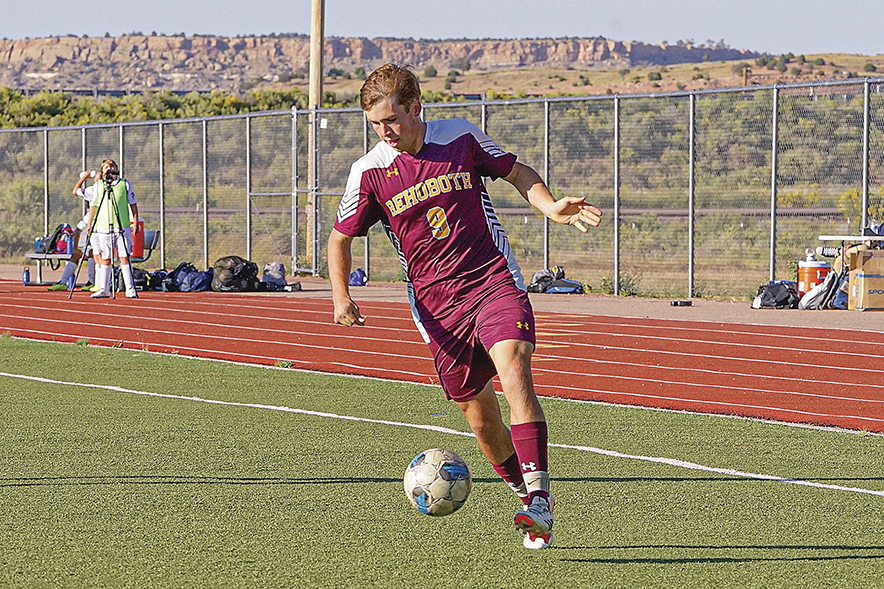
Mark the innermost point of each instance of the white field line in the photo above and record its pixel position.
(611, 453)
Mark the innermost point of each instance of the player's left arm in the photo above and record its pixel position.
(568, 210)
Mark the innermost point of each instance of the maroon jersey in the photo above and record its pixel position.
(437, 213)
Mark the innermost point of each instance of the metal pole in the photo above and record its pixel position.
(162, 202)
(773, 184)
(45, 197)
(616, 196)
(864, 216)
(365, 136)
(85, 164)
(294, 189)
(122, 164)
(691, 194)
(205, 195)
(248, 188)
(46, 181)
(546, 263)
(314, 189)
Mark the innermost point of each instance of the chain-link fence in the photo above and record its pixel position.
(705, 193)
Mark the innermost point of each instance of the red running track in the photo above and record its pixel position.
(830, 377)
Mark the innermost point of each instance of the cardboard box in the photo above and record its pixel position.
(867, 282)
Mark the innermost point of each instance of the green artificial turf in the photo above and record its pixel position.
(107, 488)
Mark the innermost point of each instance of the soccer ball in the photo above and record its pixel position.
(437, 482)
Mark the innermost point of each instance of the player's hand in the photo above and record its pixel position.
(347, 313)
(134, 225)
(574, 210)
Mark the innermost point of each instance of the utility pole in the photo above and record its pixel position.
(317, 46)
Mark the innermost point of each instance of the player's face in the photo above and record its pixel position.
(398, 125)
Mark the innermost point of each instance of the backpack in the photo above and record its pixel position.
(274, 272)
(52, 244)
(543, 279)
(196, 281)
(155, 279)
(564, 286)
(172, 281)
(358, 277)
(839, 301)
(235, 274)
(819, 295)
(777, 295)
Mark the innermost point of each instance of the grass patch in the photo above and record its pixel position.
(104, 488)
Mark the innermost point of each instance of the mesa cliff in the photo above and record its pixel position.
(157, 62)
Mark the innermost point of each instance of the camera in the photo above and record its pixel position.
(111, 174)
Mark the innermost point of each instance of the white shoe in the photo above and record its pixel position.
(131, 293)
(532, 541)
(536, 521)
(100, 294)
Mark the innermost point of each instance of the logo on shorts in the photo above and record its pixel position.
(523, 325)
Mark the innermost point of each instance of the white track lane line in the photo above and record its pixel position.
(611, 453)
(540, 386)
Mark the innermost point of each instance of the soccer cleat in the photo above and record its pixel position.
(59, 286)
(533, 541)
(535, 521)
(131, 293)
(100, 294)
(827, 252)
(88, 286)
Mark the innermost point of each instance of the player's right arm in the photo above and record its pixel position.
(340, 260)
(84, 175)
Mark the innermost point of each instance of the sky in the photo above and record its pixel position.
(766, 26)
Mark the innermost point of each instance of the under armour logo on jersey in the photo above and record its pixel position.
(393, 172)
(529, 466)
(523, 325)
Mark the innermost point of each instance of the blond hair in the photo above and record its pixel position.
(390, 80)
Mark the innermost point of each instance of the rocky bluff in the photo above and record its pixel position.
(141, 63)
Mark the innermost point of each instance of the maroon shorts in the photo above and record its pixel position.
(460, 345)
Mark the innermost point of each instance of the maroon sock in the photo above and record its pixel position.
(510, 472)
(530, 441)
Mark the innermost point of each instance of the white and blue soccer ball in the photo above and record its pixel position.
(437, 482)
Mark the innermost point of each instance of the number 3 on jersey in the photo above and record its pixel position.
(438, 222)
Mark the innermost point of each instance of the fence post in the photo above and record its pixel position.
(773, 184)
(546, 263)
(45, 181)
(248, 187)
(85, 164)
(866, 128)
(205, 195)
(616, 196)
(691, 193)
(162, 199)
(295, 211)
(314, 190)
(365, 136)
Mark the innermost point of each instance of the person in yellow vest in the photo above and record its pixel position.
(113, 217)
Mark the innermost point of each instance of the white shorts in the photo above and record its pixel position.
(104, 243)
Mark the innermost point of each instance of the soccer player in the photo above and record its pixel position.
(423, 182)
